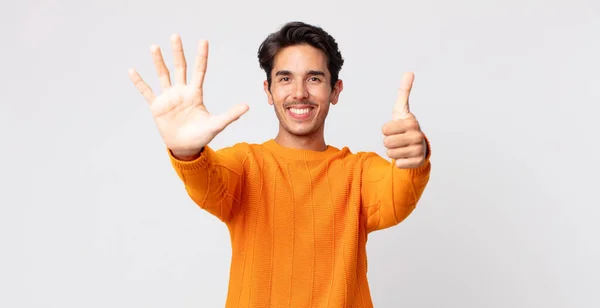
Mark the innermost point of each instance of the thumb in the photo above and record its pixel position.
(234, 113)
(402, 109)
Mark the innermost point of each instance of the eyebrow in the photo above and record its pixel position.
(310, 72)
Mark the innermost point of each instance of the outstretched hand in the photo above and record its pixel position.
(179, 112)
(404, 140)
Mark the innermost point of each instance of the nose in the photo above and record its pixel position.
(299, 91)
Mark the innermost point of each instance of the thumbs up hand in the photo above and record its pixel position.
(404, 140)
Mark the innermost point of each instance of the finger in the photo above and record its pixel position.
(402, 140)
(415, 150)
(161, 68)
(201, 64)
(401, 126)
(409, 163)
(142, 87)
(233, 114)
(179, 59)
(401, 109)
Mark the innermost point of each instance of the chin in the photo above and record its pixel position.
(302, 132)
(302, 129)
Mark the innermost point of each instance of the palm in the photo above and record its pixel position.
(183, 121)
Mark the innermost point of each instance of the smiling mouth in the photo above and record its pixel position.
(300, 112)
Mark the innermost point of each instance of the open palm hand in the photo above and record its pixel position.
(179, 112)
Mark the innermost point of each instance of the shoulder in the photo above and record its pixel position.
(356, 153)
(244, 150)
(239, 150)
(361, 156)
(240, 147)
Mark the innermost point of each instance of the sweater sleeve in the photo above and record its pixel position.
(390, 194)
(214, 180)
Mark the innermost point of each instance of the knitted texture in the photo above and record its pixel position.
(299, 219)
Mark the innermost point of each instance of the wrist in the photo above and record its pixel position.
(187, 155)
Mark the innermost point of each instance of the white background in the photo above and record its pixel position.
(93, 215)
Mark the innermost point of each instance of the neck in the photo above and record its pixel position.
(314, 141)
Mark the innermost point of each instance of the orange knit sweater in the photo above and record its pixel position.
(299, 219)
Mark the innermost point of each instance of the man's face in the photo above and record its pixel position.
(301, 90)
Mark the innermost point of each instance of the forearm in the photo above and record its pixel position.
(399, 191)
(211, 180)
(390, 194)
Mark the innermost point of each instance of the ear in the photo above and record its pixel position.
(267, 92)
(337, 89)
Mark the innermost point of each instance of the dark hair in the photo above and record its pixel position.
(298, 33)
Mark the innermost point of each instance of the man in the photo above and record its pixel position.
(298, 210)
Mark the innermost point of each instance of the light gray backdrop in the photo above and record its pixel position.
(92, 214)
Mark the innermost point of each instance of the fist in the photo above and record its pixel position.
(403, 138)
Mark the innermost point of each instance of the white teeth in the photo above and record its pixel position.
(299, 111)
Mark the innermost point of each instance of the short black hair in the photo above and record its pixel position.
(298, 33)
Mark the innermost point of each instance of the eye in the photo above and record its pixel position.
(284, 79)
(315, 79)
